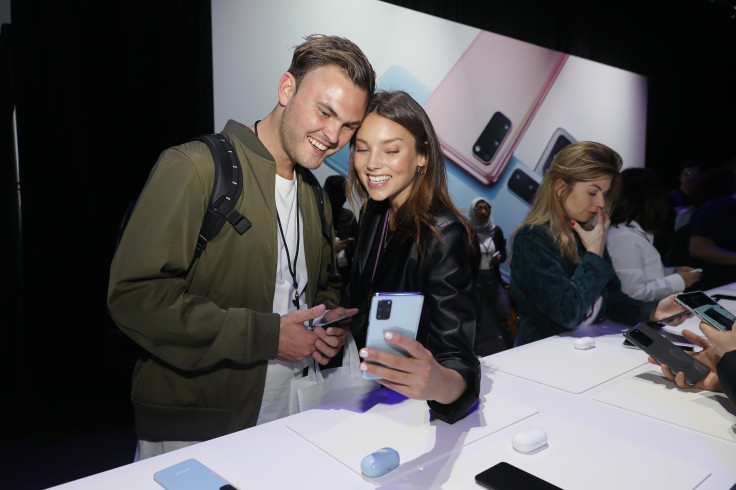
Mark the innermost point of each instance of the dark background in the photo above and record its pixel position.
(100, 93)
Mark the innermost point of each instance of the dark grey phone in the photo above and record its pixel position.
(523, 185)
(665, 352)
(492, 137)
(505, 476)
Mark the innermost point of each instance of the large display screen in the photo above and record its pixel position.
(501, 107)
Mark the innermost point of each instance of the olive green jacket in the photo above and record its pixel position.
(206, 337)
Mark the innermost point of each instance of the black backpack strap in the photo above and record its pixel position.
(226, 190)
(310, 179)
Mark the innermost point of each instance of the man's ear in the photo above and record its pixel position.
(287, 88)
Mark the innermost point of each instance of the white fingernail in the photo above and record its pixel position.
(363, 367)
(363, 353)
(388, 335)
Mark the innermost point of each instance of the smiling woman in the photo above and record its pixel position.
(561, 274)
(413, 239)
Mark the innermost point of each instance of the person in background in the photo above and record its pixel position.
(222, 342)
(712, 240)
(671, 240)
(346, 226)
(492, 301)
(718, 353)
(413, 239)
(562, 277)
(636, 215)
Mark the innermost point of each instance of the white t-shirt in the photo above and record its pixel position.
(487, 249)
(279, 374)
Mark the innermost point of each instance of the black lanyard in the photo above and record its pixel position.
(292, 271)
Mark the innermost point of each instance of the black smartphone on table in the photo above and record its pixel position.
(505, 476)
(665, 352)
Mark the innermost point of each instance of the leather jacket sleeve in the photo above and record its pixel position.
(449, 314)
(442, 271)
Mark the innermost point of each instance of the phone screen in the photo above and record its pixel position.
(505, 476)
(707, 309)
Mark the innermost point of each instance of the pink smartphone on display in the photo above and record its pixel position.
(482, 107)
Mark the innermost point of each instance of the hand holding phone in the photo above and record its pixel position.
(339, 321)
(392, 312)
(665, 352)
(663, 321)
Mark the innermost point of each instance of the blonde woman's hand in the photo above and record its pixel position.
(594, 240)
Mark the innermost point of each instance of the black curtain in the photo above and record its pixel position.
(101, 89)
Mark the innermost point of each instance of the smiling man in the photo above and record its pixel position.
(222, 341)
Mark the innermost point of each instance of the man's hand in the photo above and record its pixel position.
(721, 342)
(707, 356)
(332, 337)
(296, 341)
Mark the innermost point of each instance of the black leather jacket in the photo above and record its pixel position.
(443, 272)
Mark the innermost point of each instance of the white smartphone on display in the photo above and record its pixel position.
(191, 475)
(392, 312)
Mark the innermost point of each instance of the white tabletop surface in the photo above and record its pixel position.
(613, 422)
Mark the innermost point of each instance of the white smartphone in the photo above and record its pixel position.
(392, 312)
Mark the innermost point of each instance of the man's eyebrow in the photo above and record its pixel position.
(331, 111)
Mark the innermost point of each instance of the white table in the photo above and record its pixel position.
(618, 424)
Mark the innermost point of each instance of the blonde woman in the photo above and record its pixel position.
(561, 274)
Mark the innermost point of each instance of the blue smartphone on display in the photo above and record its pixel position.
(392, 312)
(191, 475)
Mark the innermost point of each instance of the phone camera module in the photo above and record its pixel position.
(383, 312)
(640, 337)
(491, 138)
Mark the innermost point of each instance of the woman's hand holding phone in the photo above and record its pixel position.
(669, 312)
(594, 240)
(418, 376)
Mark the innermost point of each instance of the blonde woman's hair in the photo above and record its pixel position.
(584, 161)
